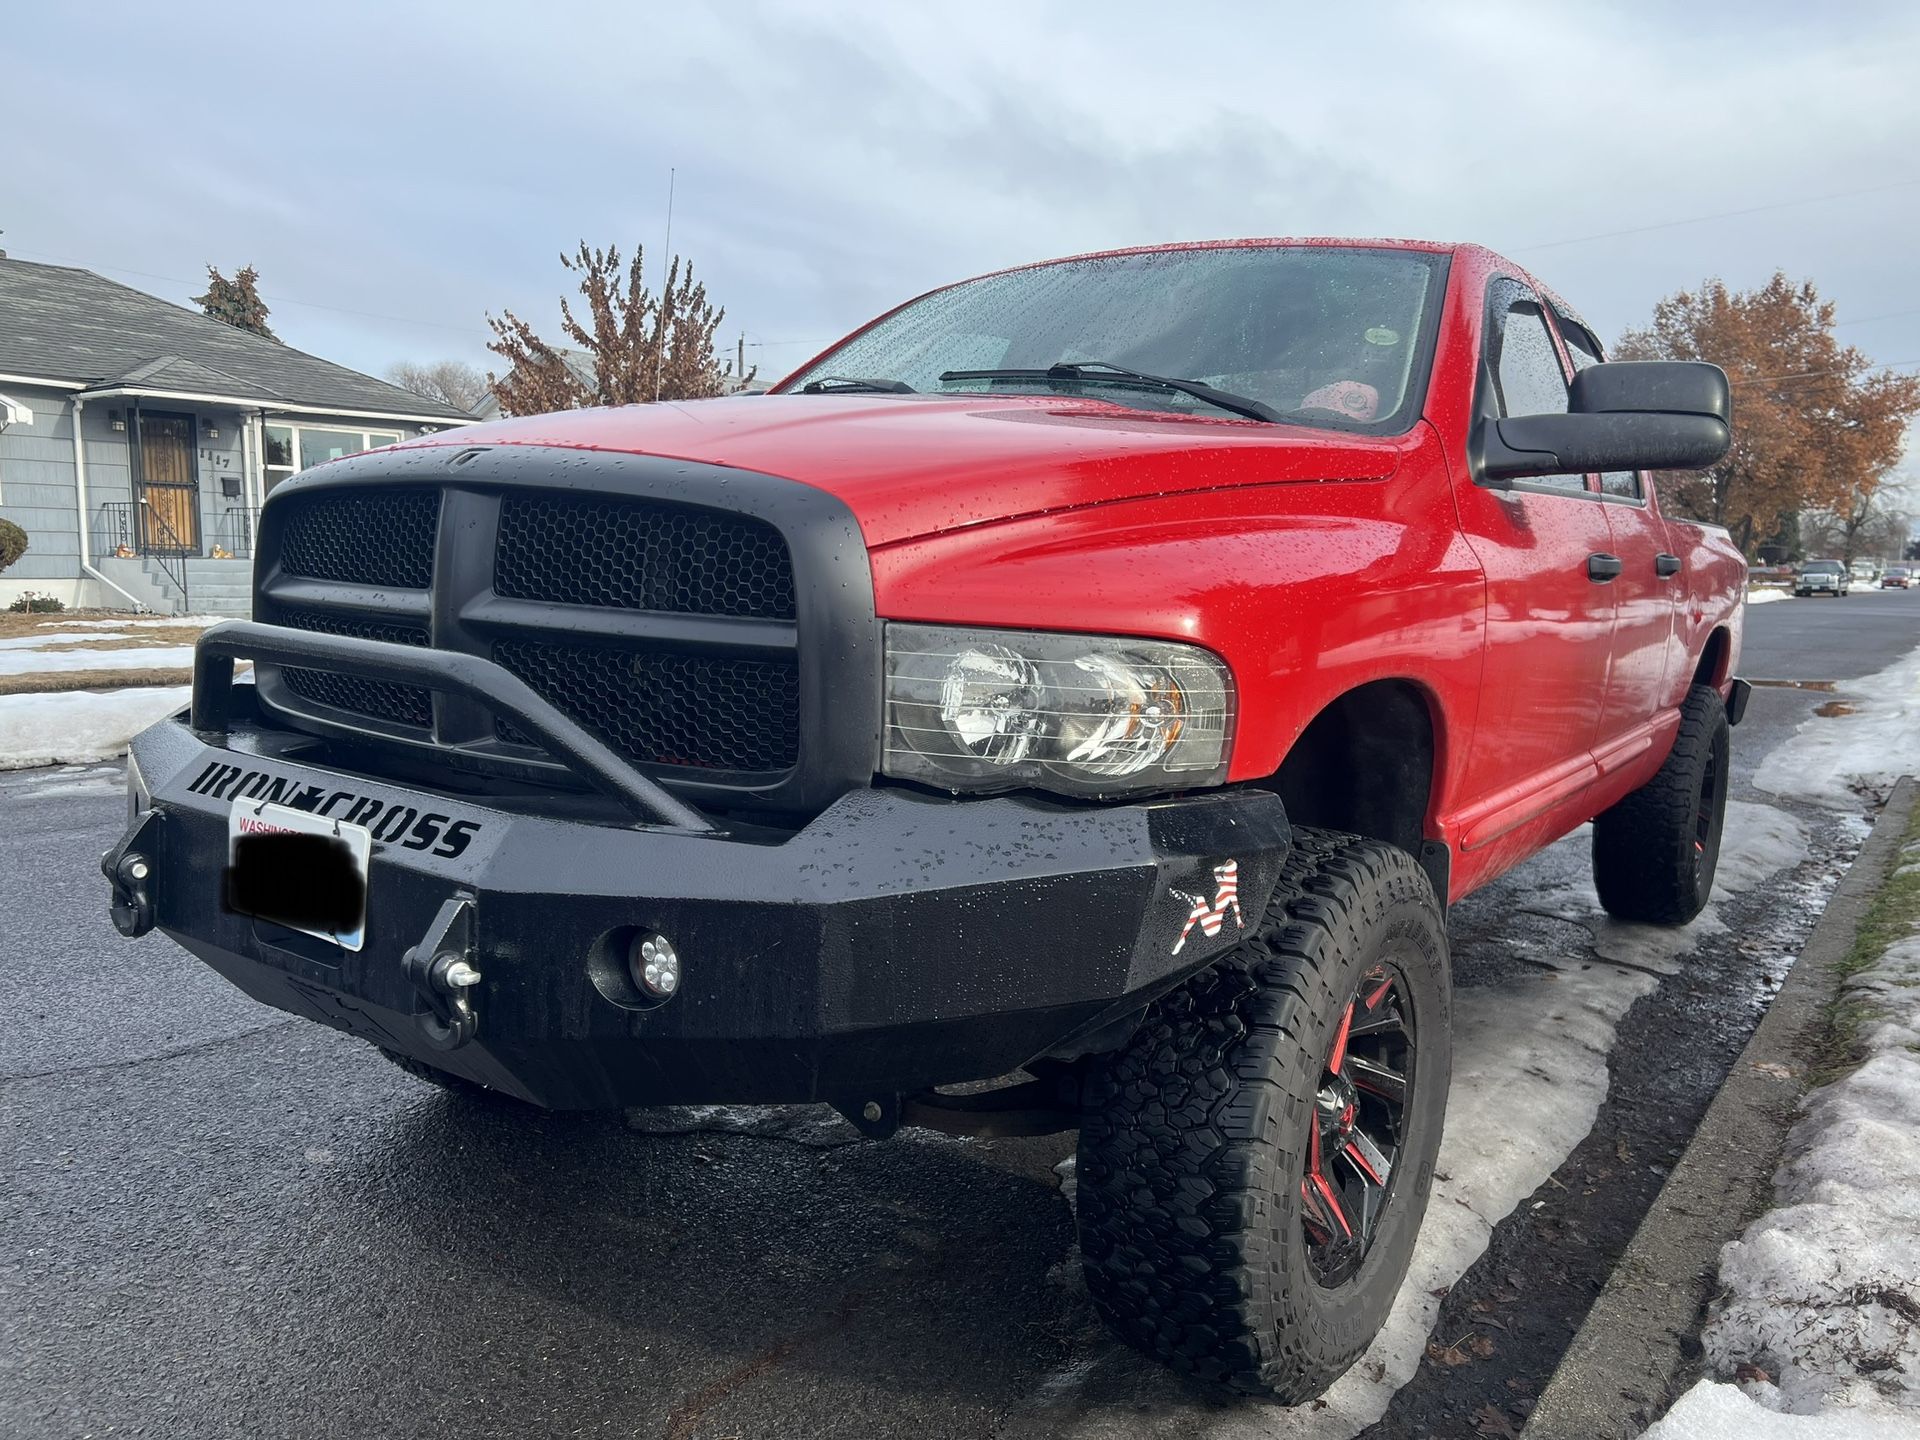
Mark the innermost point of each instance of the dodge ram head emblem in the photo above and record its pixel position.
(1211, 915)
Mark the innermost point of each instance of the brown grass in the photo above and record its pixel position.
(136, 640)
(59, 681)
(12, 624)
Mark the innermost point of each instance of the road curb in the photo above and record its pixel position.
(1635, 1343)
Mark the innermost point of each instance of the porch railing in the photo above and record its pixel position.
(236, 529)
(127, 528)
(113, 530)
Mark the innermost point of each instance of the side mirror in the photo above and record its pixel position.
(1622, 415)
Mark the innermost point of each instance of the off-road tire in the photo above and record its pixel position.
(1653, 858)
(1194, 1142)
(452, 1084)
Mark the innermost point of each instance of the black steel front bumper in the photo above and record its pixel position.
(896, 942)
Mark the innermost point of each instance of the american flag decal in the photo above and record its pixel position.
(1210, 917)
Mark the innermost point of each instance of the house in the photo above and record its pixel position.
(138, 438)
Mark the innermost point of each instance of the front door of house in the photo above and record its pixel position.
(169, 506)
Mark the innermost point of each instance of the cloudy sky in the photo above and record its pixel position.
(398, 170)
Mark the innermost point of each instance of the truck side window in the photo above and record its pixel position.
(1527, 375)
(1585, 351)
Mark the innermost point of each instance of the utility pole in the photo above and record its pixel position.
(740, 363)
(660, 349)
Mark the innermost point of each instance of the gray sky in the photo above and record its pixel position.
(414, 165)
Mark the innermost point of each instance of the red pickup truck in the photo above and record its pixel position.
(1095, 678)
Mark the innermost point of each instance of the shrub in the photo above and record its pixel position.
(32, 604)
(13, 543)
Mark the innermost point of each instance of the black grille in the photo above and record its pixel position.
(662, 708)
(382, 537)
(379, 699)
(640, 555)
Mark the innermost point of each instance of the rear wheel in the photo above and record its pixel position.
(1255, 1163)
(1656, 850)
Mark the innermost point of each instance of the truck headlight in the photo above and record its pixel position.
(1078, 714)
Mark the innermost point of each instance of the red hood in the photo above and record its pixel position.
(910, 466)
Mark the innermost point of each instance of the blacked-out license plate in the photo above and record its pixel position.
(300, 870)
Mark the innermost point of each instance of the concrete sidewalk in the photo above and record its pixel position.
(1639, 1345)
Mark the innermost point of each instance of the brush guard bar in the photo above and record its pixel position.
(450, 672)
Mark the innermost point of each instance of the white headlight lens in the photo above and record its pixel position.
(990, 701)
(1082, 714)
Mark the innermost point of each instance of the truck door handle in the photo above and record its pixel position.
(1603, 567)
(1666, 566)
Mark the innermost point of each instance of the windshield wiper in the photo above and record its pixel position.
(855, 385)
(1106, 371)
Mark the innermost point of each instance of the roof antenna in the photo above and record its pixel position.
(660, 351)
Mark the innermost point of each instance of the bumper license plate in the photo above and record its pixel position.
(299, 870)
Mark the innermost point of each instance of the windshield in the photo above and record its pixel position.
(1323, 335)
(1822, 567)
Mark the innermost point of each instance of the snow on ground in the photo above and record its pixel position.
(1757, 841)
(203, 621)
(79, 725)
(1766, 597)
(1822, 1293)
(143, 657)
(76, 780)
(1721, 1412)
(42, 638)
(1874, 745)
(1530, 1073)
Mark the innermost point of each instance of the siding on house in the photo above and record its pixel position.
(37, 481)
(36, 486)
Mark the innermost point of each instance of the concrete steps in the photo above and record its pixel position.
(157, 595)
(220, 587)
(214, 587)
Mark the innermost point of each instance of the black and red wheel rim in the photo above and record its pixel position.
(1359, 1126)
(1707, 813)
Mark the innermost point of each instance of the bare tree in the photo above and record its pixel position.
(639, 347)
(451, 382)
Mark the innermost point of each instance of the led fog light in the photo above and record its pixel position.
(654, 965)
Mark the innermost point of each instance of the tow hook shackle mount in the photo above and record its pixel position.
(129, 868)
(442, 969)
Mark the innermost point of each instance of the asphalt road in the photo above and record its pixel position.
(218, 1222)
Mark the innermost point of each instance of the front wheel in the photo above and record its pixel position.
(1656, 850)
(1255, 1162)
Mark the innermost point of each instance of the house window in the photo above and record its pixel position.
(292, 448)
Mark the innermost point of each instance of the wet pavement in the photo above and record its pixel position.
(215, 1221)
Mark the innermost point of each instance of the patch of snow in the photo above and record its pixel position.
(54, 637)
(1756, 841)
(1823, 1291)
(79, 726)
(1874, 746)
(1767, 597)
(1529, 1076)
(203, 621)
(1711, 1411)
(74, 781)
(48, 662)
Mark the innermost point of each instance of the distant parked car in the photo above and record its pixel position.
(1864, 572)
(1822, 577)
(1897, 575)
